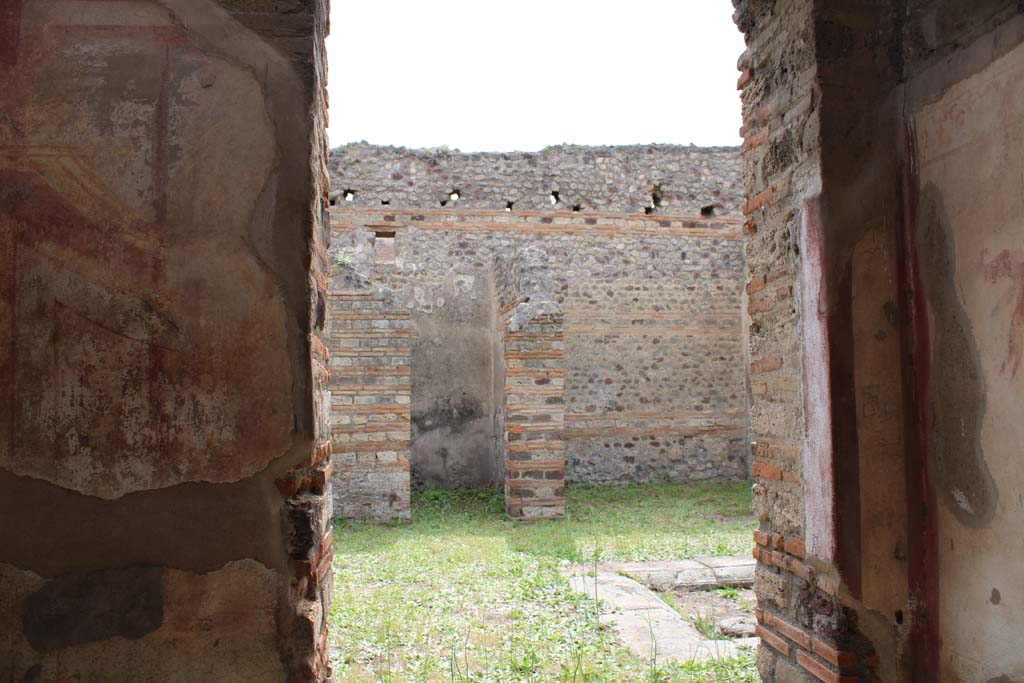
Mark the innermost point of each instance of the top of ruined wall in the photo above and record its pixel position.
(686, 179)
(524, 287)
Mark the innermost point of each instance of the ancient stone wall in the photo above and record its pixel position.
(531, 339)
(799, 615)
(654, 364)
(369, 333)
(309, 512)
(670, 179)
(866, 153)
(163, 422)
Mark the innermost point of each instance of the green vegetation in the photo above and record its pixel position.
(705, 625)
(670, 600)
(464, 594)
(729, 593)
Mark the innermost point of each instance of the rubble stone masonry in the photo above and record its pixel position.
(672, 179)
(646, 257)
(802, 624)
(651, 306)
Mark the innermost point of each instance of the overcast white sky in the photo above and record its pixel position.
(484, 75)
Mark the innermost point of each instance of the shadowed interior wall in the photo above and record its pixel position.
(881, 144)
(163, 420)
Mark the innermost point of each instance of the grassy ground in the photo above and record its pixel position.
(463, 594)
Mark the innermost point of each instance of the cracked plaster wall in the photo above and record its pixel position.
(158, 212)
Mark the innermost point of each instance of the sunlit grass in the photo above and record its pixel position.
(464, 594)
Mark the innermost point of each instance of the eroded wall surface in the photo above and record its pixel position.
(880, 161)
(970, 234)
(162, 426)
(630, 178)
(801, 620)
(654, 364)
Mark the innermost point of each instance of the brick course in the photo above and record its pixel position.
(651, 312)
(780, 165)
(370, 335)
(531, 341)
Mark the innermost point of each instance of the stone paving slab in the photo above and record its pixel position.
(700, 572)
(644, 623)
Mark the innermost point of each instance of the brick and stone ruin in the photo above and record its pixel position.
(575, 318)
(173, 313)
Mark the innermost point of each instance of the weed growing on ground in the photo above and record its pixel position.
(669, 600)
(706, 626)
(729, 593)
(463, 594)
